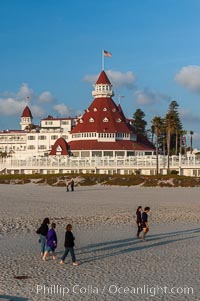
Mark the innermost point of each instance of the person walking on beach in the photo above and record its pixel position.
(42, 231)
(139, 220)
(145, 223)
(67, 184)
(69, 245)
(51, 244)
(72, 184)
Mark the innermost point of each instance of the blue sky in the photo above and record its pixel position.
(51, 51)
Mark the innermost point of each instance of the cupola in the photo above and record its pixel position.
(103, 87)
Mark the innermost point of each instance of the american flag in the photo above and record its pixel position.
(107, 53)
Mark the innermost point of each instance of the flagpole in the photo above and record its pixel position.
(102, 59)
(119, 98)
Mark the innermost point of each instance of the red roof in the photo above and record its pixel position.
(62, 144)
(117, 145)
(121, 111)
(101, 110)
(103, 79)
(27, 112)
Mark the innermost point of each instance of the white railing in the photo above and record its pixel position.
(135, 162)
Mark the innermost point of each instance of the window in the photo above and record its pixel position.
(118, 120)
(105, 119)
(42, 137)
(54, 137)
(114, 110)
(48, 122)
(31, 137)
(31, 147)
(42, 147)
(66, 137)
(91, 119)
(65, 122)
(105, 109)
(95, 109)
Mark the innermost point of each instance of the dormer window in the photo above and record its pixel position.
(105, 109)
(118, 120)
(105, 119)
(91, 119)
(95, 109)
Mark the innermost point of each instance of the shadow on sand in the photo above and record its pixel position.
(150, 238)
(12, 298)
(123, 246)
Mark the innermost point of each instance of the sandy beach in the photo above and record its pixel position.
(113, 263)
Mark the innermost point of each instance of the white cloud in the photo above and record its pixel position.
(117, 78)
(187, 116)
(46, 97)
(62, 109)
(25, 93)
(90, 78)
(13, 104)
(37, 111)
(189, 77)
(147, 97)
(120, 79)
(11, 107)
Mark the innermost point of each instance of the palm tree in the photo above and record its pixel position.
(158, 126)
(181, 141)
(185, 142)
(191, 134)
(170, 123)
(164, 142)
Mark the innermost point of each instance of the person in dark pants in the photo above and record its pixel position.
(72, 184)
(69, 245)
(139, 220)
(145, 223)
(42, 231)
(67, 185)
(51, 243)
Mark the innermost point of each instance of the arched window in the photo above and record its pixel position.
(105, 109)
(91, 119)
(105, 119)
(95, 109)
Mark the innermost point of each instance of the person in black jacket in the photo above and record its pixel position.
(42, 231)
(145, 223)
(69, 245)
(139, 220)
(72, 184)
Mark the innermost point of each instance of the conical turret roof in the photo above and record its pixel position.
(103, 79)
(27, 112)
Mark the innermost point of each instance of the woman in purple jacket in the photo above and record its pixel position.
(51, 243)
